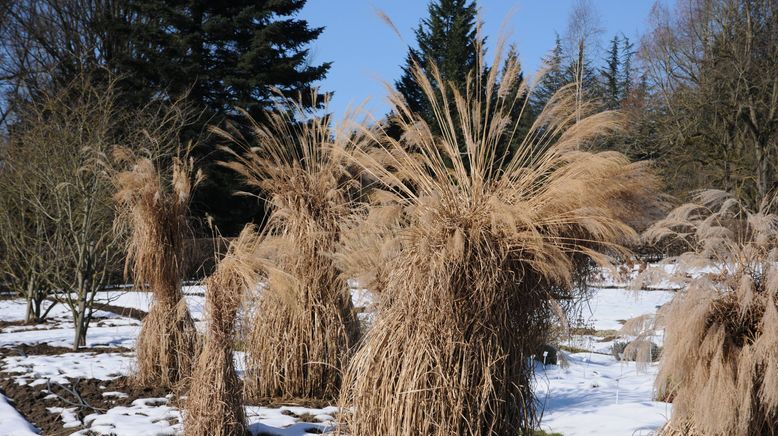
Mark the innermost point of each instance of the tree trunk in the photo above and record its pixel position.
(81, 321)
(762, 172)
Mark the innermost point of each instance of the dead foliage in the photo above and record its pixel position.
(489, 244)
(214, 405)
(305, 325)
(155, 209)
(720, 359)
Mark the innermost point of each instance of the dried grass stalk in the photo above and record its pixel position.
(156, 212)
(305, 325)
(720, 358)
(490, 244)
(214, 405)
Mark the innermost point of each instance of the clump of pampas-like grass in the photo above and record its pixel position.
(489, 245)
(214, 405)
(720, 360)
(156, 209)
(305, 325)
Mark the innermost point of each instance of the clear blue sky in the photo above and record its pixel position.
(366, 52)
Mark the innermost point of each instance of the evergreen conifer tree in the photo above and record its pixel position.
(612, 76)
(446, 39)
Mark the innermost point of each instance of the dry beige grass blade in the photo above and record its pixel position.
(489, 244)
(156, 210)
(214, 405)
(720, 358)
(305, 325)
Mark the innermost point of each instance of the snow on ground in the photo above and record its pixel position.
(597, 395)
(145, 417)
(122, 335)
(40, 370)
(11, 422)
(608, 308)
(281, 422)
(193, 295)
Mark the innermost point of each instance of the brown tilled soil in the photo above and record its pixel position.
(129, 312)
(85, 394)
(49, 350)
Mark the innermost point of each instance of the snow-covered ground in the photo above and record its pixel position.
(596, 395)
(12, 423)
(593, 394)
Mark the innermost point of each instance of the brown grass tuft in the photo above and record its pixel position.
(214, 405)
(305, 325)
(489, 245)
(156, 212)
(720, 359)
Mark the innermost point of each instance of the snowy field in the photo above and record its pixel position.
(591, 393)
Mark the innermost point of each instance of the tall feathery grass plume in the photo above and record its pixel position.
(305, 325)
(154, 205)
(491, 243)
(214, 405)
(720, 359)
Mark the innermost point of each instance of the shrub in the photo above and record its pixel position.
(214, 405)
(305, 325)
(490, 246)
(156, 211)
(720, 358)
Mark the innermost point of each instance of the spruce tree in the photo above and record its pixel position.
(446, 39)
(522, 111)
(612, 76)
(627, 72)
(553, 79)
(222, 56)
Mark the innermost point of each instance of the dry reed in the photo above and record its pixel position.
(214, 405)
(489, 246)
(720, 359)
(305, 324)
(155, 208)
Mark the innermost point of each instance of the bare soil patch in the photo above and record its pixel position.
(85, 394)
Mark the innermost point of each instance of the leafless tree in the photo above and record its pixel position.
(714, 68)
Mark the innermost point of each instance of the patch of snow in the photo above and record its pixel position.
(68, 416)
(597, 395)
(40, 370)
(12, 422)
(145, 417)
(281, 422)
(609, 307)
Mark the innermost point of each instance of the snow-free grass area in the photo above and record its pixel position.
(595, 394)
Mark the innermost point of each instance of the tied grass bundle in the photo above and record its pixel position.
(214, 405)
(720, 359)
(305, 324)
(491, 242)
(156, 213)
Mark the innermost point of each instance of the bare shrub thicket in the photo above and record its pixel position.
(488, 247)
(61, 213)
(305, 325)
(26, 265)
(154, 204)
(214, 404)
(720, 358)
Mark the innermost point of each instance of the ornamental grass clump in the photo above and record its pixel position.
(490, 244)
(720, 359)
(214, 405)
(156, 209)
(305, 325)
